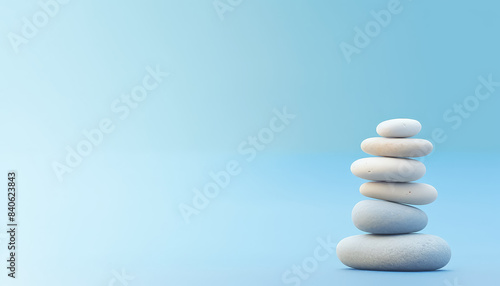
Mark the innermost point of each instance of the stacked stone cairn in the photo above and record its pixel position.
(392, 243)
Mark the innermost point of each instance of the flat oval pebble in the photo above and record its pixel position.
(388, 169)
(401, 127)
(383, 217)
(396, 147)
(405, 193)
(403, 252)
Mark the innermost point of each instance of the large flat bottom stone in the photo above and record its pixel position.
(400, 252)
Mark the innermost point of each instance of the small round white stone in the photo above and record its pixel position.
(403, 252)
(388, 169)
(383, 217)
(396, 147)
(405, 193)
(401, 127)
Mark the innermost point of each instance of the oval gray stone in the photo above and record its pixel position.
(403, 252)
(401, 127)
(388, 169)
(383, 217)
(405, 193)
(396, 147)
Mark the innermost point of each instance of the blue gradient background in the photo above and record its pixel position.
(119, 208)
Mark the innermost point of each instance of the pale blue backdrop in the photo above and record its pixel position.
(206, 76)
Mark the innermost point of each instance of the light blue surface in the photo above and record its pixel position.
(230, 79)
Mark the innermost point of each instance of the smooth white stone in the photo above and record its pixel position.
(405, 193)
(388, 169)
(401, 127)
(396, 147)
(383, 217)
(403, 252)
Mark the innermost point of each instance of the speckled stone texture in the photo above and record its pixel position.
(388, 169)
(396, 147)
(404, 252)
(382, 217)
(405, 193)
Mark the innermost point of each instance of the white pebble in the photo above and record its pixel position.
(396, 147)
(383, 217)
(401, 127)
(403, 252)
(405, 193)
(388, 169)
